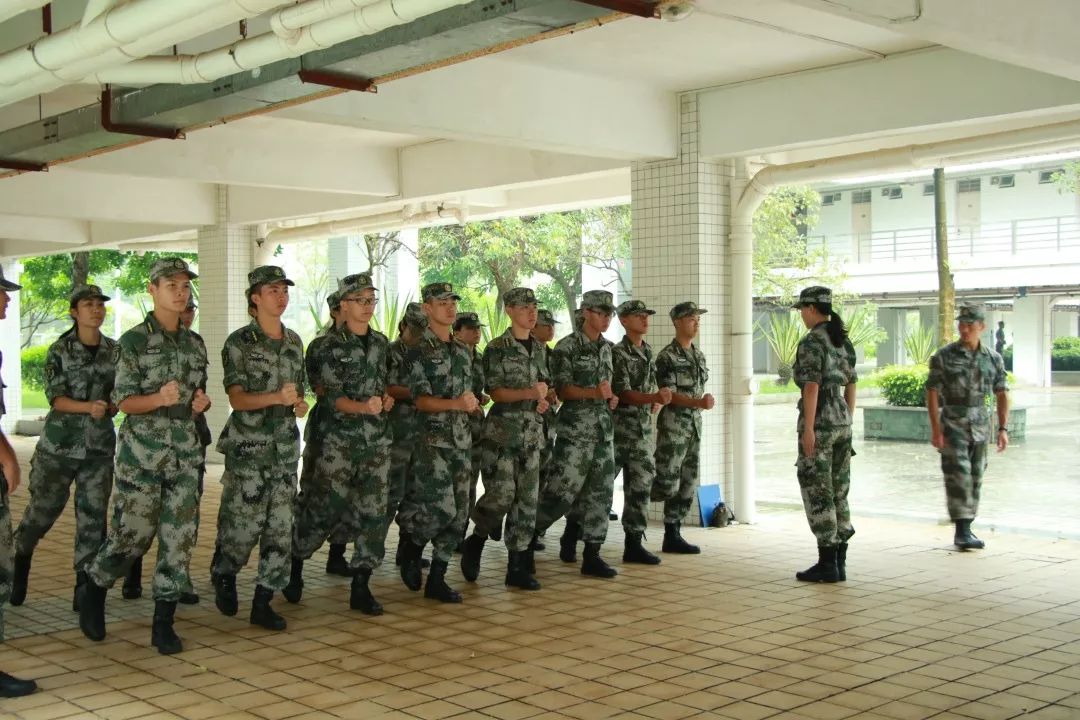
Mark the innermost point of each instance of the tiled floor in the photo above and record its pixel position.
(918, 631)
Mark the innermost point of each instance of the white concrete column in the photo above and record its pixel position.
(402, 276)
(891, 351)
(344, 255)
(225, 258)
(11, 347)
(1031, 340)
(680, 213)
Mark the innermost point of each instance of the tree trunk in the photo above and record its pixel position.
(946, 290)
(568, 290)
(80, 268)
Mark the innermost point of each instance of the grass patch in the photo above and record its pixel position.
(34, 399)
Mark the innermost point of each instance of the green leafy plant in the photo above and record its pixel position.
(33, 366)
(862, 327)
(492, 316)
(783, 335)
(389, 314)
(903, 385)
(919, 345)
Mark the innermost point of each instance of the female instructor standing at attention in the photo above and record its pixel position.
(825, 373)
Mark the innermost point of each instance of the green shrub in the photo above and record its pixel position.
(1065, 359)
(903, 385)
(1067, 343)
(33, 366)
(1007, 357)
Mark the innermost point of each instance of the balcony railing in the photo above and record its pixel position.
(1054, 234)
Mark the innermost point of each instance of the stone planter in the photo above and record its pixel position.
(912, 423)
(1065, 377)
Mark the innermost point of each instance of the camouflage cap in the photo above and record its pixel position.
(333, 300)
(545, 317)
(353, 284)
(439, 291)
(686, 309)
(634, 307)
(267, 274)
(970, 314)
(814, 294)
(82, 292)
(519, 296)
(6, 284)
(167, 267)
(579, 319)
(598, 300)
(468, 319)
(414, 315)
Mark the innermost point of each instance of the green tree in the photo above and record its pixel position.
(482, 255)
(606, 244)
(553, 247)
(1068, 179)
(380, 247)
(783, 262)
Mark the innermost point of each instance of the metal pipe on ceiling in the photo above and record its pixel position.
(367, 224)
(17, 7)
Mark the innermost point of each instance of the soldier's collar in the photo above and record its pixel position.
(257, 328)
(152, 325)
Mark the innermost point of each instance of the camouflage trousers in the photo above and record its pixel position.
(546, 452)
(511, 484)
(435, 506)
(399, 478)
(7, 551)
(256, 507)
(825, 480)
(50, 486)
(356, 498)
(635, 459)
(580, 486)
(313, 487)
(477, 458)
(963, 464)
(146, 504)
(677, 468)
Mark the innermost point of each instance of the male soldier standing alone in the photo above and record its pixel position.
(634, 381)
(583, 478)
(159, 381)
(962, 375)
(263, 366)
(681, 367)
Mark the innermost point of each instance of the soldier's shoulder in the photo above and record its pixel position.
(293, 337)
(501, 342)
(567, 343)
(108, 343)
(135, 338)
(241, 336)
(666, 352)
(379, 337)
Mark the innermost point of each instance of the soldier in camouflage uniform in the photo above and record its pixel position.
(10, 475)
(824, 370)
(681, 367)
(77, 442)
(514, 365)
(544, 333)
(963, 375)
(356, 448)
(582, 480)
(634, 381)
(467, 331)
(159, 384)
(404, 420)
(263, 366)
(441, 382)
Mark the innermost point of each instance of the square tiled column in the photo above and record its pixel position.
(680, 213)
(225, 258)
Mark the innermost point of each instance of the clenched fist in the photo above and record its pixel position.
(664, 394)
(98, 409)
(541, 390)
(387, 402)
(300, 409)
(200, 403)
(605, 390)
(169, 393)
(373, 405)
(710, 401)
(469, 403)
(613, 402)
(287, 394)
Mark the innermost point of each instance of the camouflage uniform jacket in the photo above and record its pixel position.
(317, 419)
(633, 368)
(73, 371)
(833, 368)
(963, 379)
(353, 368)
(202, 425)
(476, 422)
(509, 364)
(260, 364)
(149, 358)
(545, 376)
(577, 360)
(404, 420)
(685, 372)
(3, 406)
(443, 370)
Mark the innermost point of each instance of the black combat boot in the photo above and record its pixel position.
(360, 597)
(517, 572)
(132, 589)
(336, 564)
(162, 635)
(436, 587)
(674, 542)
(189, 598)
(19, 579)
(261, 613)
(11, 686)
(404, 539)
(530, 561)
(295, 589)
(411, 574)
(594, 565)
(80, 580)
(964, 539)
(471, 552)
(568, 542)
(225, 594)
(635, 552)
(92, 610)
(841, 561)
(537, 543)
(824, 570)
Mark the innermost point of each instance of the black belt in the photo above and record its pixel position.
(174, 412)
(279, 411)
(516, 405)
(964, 405)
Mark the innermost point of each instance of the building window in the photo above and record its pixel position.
(860, 197)
(928, 189)
(830, 198)
(966, 186)
(893, 193)
(1047, 176)
(1003, 181)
